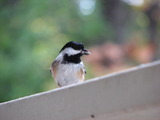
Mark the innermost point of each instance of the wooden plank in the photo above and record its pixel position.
(139, 86)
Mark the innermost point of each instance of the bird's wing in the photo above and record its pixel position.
(54, 67)
(81, 73)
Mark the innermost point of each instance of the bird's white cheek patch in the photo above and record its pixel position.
(71, 51)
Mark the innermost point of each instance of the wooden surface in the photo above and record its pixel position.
(93, 99)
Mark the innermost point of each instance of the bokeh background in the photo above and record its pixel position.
(119, 33)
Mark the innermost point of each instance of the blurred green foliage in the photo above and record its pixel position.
(31, 34)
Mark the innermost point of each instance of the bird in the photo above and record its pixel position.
(68, 68)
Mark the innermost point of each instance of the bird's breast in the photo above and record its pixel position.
(69, 74)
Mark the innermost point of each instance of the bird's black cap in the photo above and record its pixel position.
(74, 45)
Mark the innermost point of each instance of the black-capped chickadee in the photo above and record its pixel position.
(68, 68)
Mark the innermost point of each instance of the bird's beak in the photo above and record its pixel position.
(85, 52)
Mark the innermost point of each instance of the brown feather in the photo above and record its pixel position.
(81, 74)
(54, 68)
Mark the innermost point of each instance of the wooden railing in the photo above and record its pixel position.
(112, 97)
